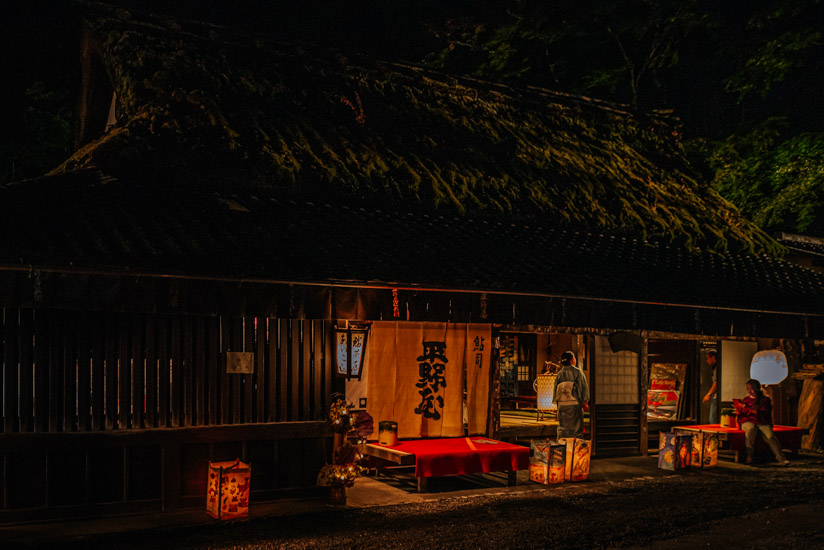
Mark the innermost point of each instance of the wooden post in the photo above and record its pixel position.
(810, 409)
(643, 379)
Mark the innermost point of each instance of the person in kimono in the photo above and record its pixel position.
(755, 415)
(571, 393)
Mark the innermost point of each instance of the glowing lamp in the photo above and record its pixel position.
(227, 489)
(350, 348)
(769, 367)
(545, 388)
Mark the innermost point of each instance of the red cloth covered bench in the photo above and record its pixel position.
(454, 456)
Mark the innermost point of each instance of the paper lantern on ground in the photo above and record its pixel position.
(578, 453)
(769, 367)
(547, 462)
(227, 495)
(683, 452)
(539, 461)
(709, 456)
(557, 462)
(545, 387)
(697, 450)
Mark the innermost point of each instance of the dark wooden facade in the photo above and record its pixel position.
(125, 409)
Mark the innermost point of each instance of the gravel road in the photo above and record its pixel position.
(760, 507)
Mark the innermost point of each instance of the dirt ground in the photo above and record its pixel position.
(728, 507)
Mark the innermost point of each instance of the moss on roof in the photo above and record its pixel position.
(201, 103)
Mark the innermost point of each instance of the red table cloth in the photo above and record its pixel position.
(464, 455)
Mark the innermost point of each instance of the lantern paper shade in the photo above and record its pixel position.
(545, 388)
(227, 495)
(704, 450)
(578, 453)
(769, 367)
(666, 451)
(350, 345)
(683, 451)
(548, 462)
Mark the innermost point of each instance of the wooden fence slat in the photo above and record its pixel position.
(138, 372)
(237, 345)
(306, 377)
(26, 347)
(124, 362)
(175, 393)
(98, 370)
(187, 375)
(41, 371)
(110, 370)
(55, 370)
(328, 369)
(10, 331)
(271, 366)
(317, 371)
(163, 371)
(151, 371)
(84, 373)
(283, 369)
(248, 379)
(260, 369)
(70, 370)
(199, 370)
(225, 379)
(294, 371)
(213, 355)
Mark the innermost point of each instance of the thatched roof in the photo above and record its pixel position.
(85, 239)
(204, 104)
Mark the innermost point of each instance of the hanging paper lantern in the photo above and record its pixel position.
(227, 494)
(769, 367)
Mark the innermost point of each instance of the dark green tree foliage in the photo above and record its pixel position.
(746, 77)
(39, 61)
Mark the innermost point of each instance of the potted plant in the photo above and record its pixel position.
(350, 428)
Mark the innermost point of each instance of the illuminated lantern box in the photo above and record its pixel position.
(683, 452)
(666, 451)
(578, 453)
(227, 496)
(557, 463)
(709, 454)
(675, 451)
(704, 450)
(547, 463)
(539, 462)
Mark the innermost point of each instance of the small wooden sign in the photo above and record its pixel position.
(240, 362)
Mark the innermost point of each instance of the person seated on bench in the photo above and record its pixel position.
(754, 414)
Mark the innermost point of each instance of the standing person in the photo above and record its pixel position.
(712, 395)
(570, 393)
(754, 414)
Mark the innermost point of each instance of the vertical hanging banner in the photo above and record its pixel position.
(418, 374)
(478, 363)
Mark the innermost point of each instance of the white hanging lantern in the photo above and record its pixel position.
(769, 367)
